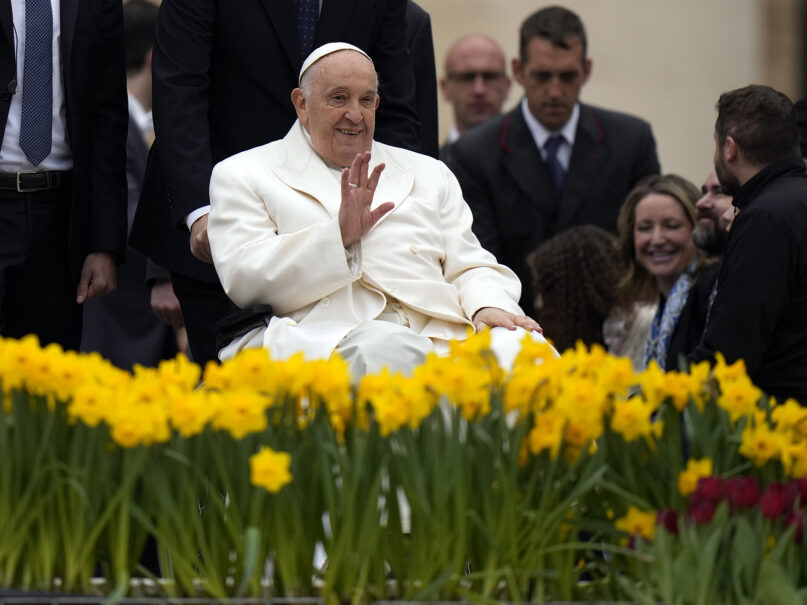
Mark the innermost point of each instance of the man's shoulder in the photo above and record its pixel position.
(409, 158)
(256, 158)
(488, 130)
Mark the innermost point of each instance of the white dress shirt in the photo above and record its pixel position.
(540, 133)
(142, 118)
(12, 158)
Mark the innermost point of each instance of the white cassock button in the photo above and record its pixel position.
(414, 249)
(325, 302)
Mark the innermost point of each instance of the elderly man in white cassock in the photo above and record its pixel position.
(360, 248)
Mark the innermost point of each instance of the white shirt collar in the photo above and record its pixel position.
(453, 135)
(540, 133)
(142, 118)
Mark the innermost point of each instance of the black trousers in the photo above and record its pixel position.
(37, 293)
(203, 304)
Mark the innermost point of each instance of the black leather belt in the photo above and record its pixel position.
(27, 182)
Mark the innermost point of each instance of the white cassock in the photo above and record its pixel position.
(275, 239)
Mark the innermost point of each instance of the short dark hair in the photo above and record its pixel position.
(553, 23)
(762, 121)
(139, 24)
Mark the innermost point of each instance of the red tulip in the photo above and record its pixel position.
(709, 488)
(668, 519)
(701, 510)
(742, 492)
(774, 501)
(797, 519)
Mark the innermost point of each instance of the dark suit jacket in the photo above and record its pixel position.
(95, 98)
(121, 326)
(223, 75)
(509, 188)
(692, 321)
(421, 49)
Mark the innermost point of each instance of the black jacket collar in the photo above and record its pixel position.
(752, 186)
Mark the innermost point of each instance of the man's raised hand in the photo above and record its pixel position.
(358, 188)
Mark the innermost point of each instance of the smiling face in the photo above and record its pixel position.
(662, 238)
(713, 220)
(337, 105)
(552, 77)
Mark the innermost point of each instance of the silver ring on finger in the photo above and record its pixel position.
(354, 185)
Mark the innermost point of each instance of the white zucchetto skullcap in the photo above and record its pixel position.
(324, 50)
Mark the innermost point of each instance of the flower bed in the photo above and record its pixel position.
(571, 478)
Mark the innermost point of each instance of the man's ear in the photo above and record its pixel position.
(518, 73)
(586, 70)
(377, 101)
(731, 151)
(298, 100)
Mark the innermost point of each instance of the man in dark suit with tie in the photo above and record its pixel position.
(62, 162)
(223, 70)
(552, 162)
(122, 327)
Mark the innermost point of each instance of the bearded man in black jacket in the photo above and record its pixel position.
(761, 303)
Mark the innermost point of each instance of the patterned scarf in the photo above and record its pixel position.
(666, 318)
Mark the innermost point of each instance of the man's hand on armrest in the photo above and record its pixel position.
(491, 317)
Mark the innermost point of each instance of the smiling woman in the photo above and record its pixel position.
(655, 240)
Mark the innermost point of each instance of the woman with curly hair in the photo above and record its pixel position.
(655, 240)
(575, 277)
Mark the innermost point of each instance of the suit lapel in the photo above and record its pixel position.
(589, 155)
(69, 10)
(304, 171)
(333, 21)
(524, 163)
(284, 20)
(7, 23)
(396, 181)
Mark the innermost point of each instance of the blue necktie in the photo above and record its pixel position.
(551, 146)
(307, 17)
(37, 81)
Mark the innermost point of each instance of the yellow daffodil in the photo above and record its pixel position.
(725, 373)
(189, 412)
(532, 352)
(637, 522)
(547, 434)
(794, 458)
(633, 419)
(695, 470)
(654, 384)
(790, 416)
(677, 387)
(242, 412)
(738, 397)
(760, 444)
(270, 469)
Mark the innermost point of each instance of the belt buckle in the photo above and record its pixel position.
(21, 189)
